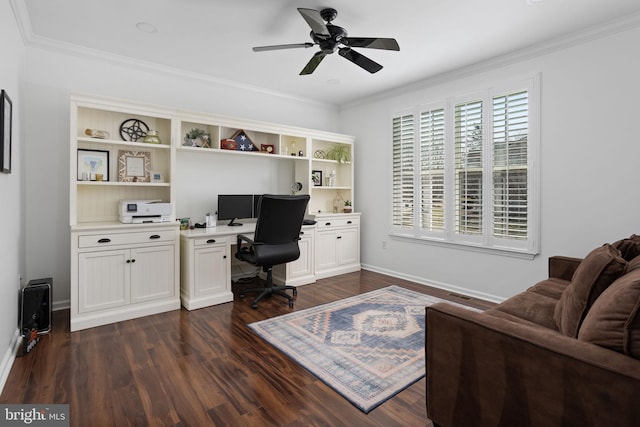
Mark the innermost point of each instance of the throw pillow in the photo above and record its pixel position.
(601, 267)
(614, 319)
(629, 248)
(634, 264)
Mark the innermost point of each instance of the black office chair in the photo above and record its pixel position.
(275, 240)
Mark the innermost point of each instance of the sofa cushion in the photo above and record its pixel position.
(601, 267)
(530, 306)
(629, 248)
(614, 319)
(552, 288)
(634, 264)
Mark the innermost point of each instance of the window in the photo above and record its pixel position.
(403, 170)
(463, 170)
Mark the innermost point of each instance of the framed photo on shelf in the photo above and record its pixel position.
(92, 163)
(316, 177)
(6, 112)
(156, 177)
(134, 166)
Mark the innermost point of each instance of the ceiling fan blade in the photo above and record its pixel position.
(282, 46)
(313, 63)
(371, 43)
(360, 60)
(315, 21)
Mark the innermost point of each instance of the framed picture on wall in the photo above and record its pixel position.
(6, 112)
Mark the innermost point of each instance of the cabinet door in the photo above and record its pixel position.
(103, 280)
(348, 246)
(326, 254)
(303, 266)
(152, 273)
(210, 270)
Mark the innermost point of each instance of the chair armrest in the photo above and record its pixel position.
(242, 238)
(563, 267)
(498, 372)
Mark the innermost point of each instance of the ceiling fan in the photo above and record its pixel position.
(330, 38)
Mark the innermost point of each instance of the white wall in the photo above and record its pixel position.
(590, 146)
(51, 76)
(12, 256)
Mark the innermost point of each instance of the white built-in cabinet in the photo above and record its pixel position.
(205, 270)
(119, 271)
(114, 273)
(302, 270)
(122, 271)
(308, 149)
(337, 244)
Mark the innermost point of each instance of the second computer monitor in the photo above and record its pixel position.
(235, 206)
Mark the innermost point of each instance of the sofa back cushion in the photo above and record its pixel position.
(601, 267)
(634, 264)
(614, 319)
(629, 248)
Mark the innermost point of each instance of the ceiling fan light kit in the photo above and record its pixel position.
(331, 38)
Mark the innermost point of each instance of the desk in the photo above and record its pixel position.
(205, 263)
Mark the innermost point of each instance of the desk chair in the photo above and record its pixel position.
(275, 240)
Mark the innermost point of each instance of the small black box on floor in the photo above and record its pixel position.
(35, 306)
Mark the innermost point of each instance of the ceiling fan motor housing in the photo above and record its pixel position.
(329, 44)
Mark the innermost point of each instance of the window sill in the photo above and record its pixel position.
(465, 246)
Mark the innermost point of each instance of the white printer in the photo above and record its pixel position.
(144, 211)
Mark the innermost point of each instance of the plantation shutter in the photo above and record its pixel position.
(510, 136)
(468, 143)
(432, 170)
(403, 171)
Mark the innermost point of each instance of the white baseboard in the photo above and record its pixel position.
(61, 305)
(9, 357)
(435, 284)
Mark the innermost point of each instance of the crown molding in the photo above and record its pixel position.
(22, 19)
(35, 41)
(531, 52)
(576, 38)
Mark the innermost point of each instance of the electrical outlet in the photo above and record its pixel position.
(384, 244)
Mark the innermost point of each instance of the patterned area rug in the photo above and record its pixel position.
(368, 348)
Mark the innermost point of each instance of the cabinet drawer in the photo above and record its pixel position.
(211, 240)
(108, 239)
(337, 222)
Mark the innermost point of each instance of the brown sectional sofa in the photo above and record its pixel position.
(566, 352)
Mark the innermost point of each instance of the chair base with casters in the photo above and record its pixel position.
(268, 290)
(275, 241)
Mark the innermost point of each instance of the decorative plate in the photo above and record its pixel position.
(133, 129)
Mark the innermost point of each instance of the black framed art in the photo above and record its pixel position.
(6, 112)
(93, 165)
(316, 177)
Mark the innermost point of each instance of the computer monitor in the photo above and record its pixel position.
(234, 206)
(256, 202)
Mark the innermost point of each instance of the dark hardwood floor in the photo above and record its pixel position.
(202, 368)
